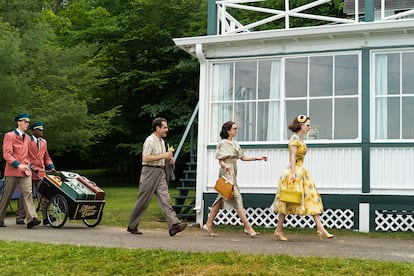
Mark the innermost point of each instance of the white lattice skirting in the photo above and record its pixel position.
(338, 218)
(391, 220)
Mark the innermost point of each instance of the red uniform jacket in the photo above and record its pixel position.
(15, 152)
(39, 158)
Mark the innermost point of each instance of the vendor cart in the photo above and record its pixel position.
(63, 206)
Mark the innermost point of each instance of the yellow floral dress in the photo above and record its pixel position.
(311, 202)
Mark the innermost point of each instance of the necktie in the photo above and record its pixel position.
(38, 143)
(23, 135)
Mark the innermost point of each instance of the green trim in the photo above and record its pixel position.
(211, 17)
(365, 101)
(392, 145)
(369, 11)
(394, 207)
(324, 145)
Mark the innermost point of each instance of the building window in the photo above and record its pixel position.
(327, 89)
(263, 96)
(393, 95)
(247, 92)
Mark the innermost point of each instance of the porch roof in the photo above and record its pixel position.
(327, 32)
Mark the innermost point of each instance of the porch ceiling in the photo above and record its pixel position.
(325, 32)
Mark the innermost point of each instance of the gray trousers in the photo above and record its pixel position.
(153, 181)
(26, 190)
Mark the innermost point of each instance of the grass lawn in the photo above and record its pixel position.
(45, 259)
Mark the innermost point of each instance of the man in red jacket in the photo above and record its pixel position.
(17, 170)
(40, 160)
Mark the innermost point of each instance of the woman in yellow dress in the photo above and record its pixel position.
(297, 178)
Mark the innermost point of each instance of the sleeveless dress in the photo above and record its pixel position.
(311, 203)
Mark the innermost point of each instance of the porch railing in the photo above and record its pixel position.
(228, 24)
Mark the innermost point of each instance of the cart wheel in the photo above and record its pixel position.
(93, 222)
(57, 211)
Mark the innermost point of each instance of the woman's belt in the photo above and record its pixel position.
(159, 167)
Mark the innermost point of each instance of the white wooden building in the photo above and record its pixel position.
(353, 76)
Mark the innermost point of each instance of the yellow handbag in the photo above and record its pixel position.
(289, 196)
(225, 188)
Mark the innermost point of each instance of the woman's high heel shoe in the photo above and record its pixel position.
(253, 235)
(210, 232)
(277, 236)
(326, 236)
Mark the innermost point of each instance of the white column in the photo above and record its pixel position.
(364, 217)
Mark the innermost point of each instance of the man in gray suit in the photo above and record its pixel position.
(153, 180)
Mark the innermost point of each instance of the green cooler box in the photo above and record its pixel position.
(76, 190)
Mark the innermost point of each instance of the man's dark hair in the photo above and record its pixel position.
(157, 122)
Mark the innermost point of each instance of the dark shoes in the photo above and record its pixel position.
(33, 223)
(176, 228)
(20, 221)
(46, 221)
(134, 231)
(2, 224)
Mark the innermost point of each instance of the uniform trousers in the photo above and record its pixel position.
(43, 202)
(25, 185)
(153, 181)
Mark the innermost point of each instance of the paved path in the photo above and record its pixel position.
(193, 239)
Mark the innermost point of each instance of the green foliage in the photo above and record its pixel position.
(332, 8)
(12, 89)
(98, 71)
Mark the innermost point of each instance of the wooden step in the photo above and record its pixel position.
(185, 197)
(187, 216)
(188, 188)
(183, 206)
(192, 180)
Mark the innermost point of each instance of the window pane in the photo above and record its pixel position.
(268, 121)
(346, 75)
(387, 118)
(296, 75)
(346, 119)
(408, 73)
(245, 118)
(320, 112)
(222, 82)
(293, 109)
(245, 80)
(407, 118)
(320, 76)
(393, 74)
(264, 79)
(220, 113)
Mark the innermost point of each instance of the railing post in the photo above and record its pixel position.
(190, 123)
(211, 17)
(369, 10)
(287, 8)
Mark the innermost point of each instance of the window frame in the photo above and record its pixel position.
(374, 96)
(284, 132)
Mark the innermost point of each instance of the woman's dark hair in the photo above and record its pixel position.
(294, 126)
(225, 128)
(157, 122)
